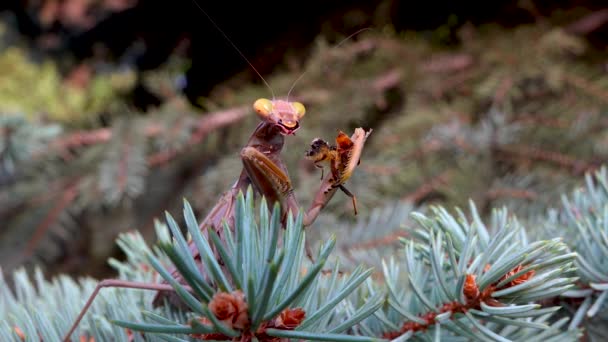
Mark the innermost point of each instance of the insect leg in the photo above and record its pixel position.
(274, 184)
(350, 194)
(322, 169)
(116, 283)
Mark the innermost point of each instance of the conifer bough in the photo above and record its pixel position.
(458, 279)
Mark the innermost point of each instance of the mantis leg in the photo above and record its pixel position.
(349, 194)
(268, 176)
(116, 283)
(272, 181)
(322, 197)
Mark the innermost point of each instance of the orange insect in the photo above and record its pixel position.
(342, 158)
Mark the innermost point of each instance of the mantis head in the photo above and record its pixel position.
(283, 114)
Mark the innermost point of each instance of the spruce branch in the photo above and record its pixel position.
(124, 170)
(517, 193)
(575, 165)
(428, 187)
(370, 239)
(202, 128)
(65, 200)
(199, 130)
(45, 309)
(21, 139)
(460, 277)
(255, 289)
(584, 218)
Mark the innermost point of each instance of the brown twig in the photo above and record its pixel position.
(533, 153)
(68, 196)
(588, 23)
(453, 82)
(448, 63)
(587, 87)
(80, 139)
(428, 187)
(381, 169)
(208, 122)
(358, 48)
(504, 192)
(532, 120)
(387, 80)
(123, 165)
(88, 138)
(204, 126)
(382, 241)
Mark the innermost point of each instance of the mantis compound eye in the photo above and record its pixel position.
(263, 107)
(299, 108)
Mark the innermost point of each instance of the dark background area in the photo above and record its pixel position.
(264, 32)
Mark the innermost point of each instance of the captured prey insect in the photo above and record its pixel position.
(342, 158)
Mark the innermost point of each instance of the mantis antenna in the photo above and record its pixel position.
(234, 46)
(334, 47)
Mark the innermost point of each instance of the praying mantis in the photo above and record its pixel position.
(264, 169)
(266, 172)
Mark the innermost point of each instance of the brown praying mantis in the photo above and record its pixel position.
(265, 171)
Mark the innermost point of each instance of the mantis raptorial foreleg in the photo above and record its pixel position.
(268, 177)
(274, 184)
(116, 283)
